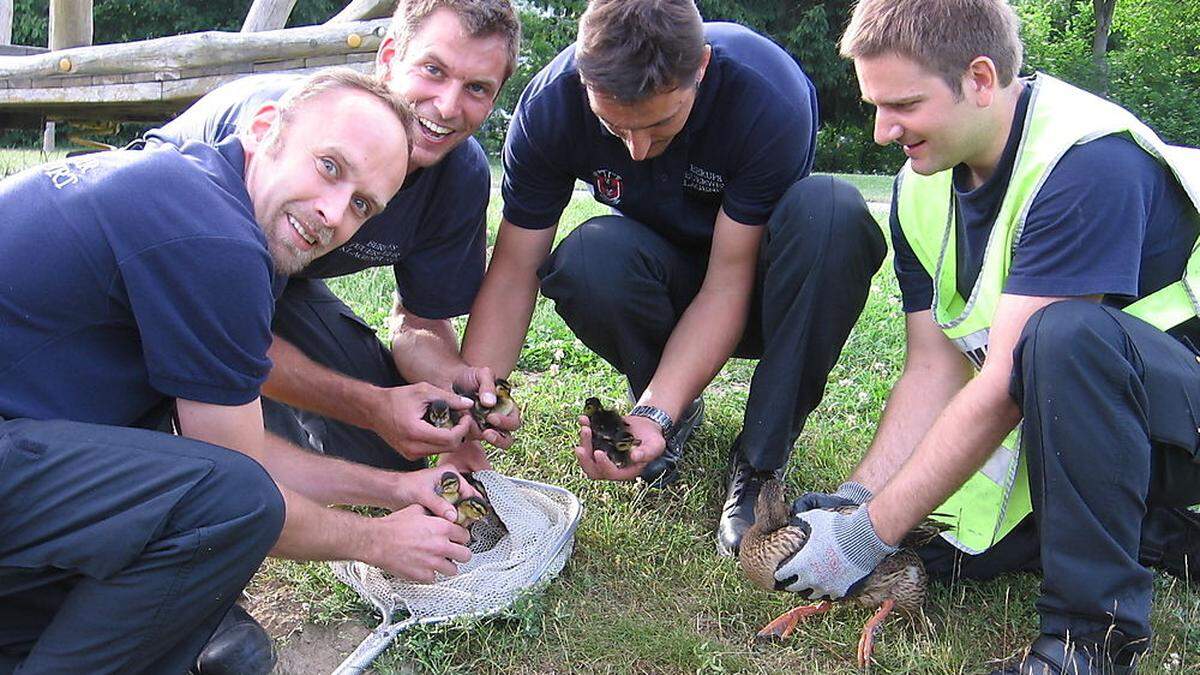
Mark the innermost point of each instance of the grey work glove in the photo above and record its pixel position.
(847, 494)
(841, 551)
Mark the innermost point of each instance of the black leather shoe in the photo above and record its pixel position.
(1051, 655)
(665, 469)
(240, 646)
(742, 487)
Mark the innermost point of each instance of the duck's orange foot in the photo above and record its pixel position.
(866, 643)
(783, 625)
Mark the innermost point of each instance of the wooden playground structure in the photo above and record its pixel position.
(74, 81)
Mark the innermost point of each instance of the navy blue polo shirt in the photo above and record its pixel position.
(751, 135)
(433, 232)
(1109, 220)
(130, 278)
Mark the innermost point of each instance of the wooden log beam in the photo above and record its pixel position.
(70, 23)
(267, 15)
(148, 101)
(364, 9)
(6, 20)
(212, 48)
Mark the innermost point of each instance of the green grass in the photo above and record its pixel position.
(644, 591)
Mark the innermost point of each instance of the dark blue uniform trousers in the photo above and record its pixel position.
(622, 288)
(121, 549)
(318, 323)
(1112, 426)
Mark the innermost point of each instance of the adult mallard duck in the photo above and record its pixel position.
(898, 583)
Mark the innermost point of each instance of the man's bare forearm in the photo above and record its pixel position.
(916, 400)
(700, 344)
(501, 312)
(424, 350)
(962, 438)
(299, 381)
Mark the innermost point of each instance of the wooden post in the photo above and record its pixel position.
(364, 9)
(6, 21)
(70, 23)
(267, 15)
(70, 26)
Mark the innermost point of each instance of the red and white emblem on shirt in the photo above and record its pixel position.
(608, 185)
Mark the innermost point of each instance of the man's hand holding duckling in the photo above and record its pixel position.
(481, 382)
(597, 464)
(401, 420)
(841, 550)
(421, 538)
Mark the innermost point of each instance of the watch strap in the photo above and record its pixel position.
(658, 415)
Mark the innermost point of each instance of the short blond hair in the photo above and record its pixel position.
(480, 18)
(342, 78)
(943, 36)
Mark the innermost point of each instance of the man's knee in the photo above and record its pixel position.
(830, 210)
(240, 495)
(1060, 333)
(592, 263)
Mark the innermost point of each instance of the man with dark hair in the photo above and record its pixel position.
(137, 283)
(334, 387)
(701, 138)
(1048, 237)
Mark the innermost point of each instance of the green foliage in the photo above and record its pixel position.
(1153, 57)
(125, 20)
(546, 31)
(850, 148)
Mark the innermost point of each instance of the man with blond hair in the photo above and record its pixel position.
(334, 387)
(700, 137)
(1047, 236)
(141, 284)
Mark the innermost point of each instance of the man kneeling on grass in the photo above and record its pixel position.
(141, 283)
(1047, 236)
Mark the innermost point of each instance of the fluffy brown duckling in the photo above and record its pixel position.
(610, 433)
(470, 509)
(504, 404)
(898, 583)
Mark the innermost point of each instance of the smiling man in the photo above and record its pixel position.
(700, 137)
(137, 283)
(1045, 248)
(334, 387)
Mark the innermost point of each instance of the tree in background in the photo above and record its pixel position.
(1150, 64)
(1143, 54)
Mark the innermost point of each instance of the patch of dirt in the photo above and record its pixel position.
(303, 647)
(317, 650)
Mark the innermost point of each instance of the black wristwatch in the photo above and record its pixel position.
(657, 415)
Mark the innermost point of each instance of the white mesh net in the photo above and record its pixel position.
(530, 542)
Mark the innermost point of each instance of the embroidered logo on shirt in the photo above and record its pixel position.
(703, 180)
(69, 171)
(608, 186)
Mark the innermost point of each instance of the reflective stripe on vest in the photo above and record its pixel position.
(1059, 117)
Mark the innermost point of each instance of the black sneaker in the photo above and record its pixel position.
(239, 646)
(665, 469)
(742, 486)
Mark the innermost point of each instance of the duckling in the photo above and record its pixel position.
(470, 509)
(441, 415)
(504, 404)
(898, 583)
(610, 433)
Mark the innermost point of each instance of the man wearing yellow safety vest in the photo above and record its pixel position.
(1050, 237)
